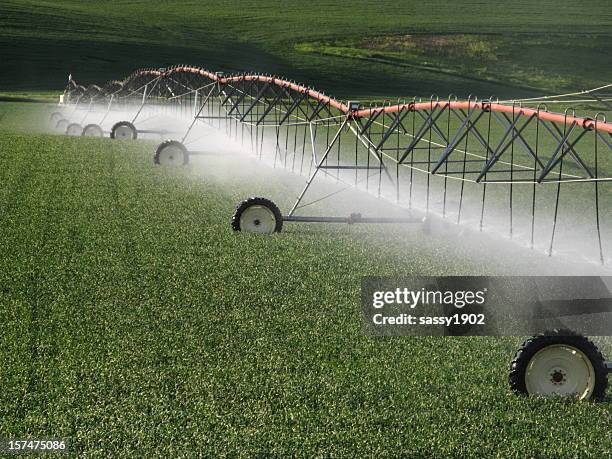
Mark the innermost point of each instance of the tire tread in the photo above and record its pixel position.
(164, 144)
(530, 346)
(257, 201)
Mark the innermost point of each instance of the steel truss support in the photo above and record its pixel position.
(314, 173)
(480, 142)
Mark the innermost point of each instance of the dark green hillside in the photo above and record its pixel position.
(346, 48)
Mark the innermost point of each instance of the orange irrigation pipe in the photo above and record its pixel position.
(294, 86)
(585, 123)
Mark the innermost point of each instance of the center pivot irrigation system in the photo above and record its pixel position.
(447, 156)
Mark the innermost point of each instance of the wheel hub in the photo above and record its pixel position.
(258, 219)
(171, 156)
(124, 132)
(558, 377)
(92, 131)
(561, 370)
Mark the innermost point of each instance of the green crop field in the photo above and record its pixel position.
(135, 323)
(357, 48)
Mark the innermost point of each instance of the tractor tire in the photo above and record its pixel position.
(92, 130)
(74, 129)
(124, 130)
(55, 117)
(257, 215)
(559, 363)
(171, 153)
(61, 125)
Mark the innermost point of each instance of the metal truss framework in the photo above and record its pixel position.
(483, 142)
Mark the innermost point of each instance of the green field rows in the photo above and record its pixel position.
(343, 48)
(136, 323)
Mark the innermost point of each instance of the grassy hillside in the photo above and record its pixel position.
(135, 322)
(528, 46)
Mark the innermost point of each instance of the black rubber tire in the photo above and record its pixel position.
(257, 201)
(74, 125)
(92, 127)
(175, 143)
(55, 117)
(531, 346)
(61, 122)
(126, 124)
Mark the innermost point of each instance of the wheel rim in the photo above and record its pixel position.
(171, 156)
(124, 133)
(62, 124)
(257, 219)
(562, 370)
(74, 130)
(92, 131)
